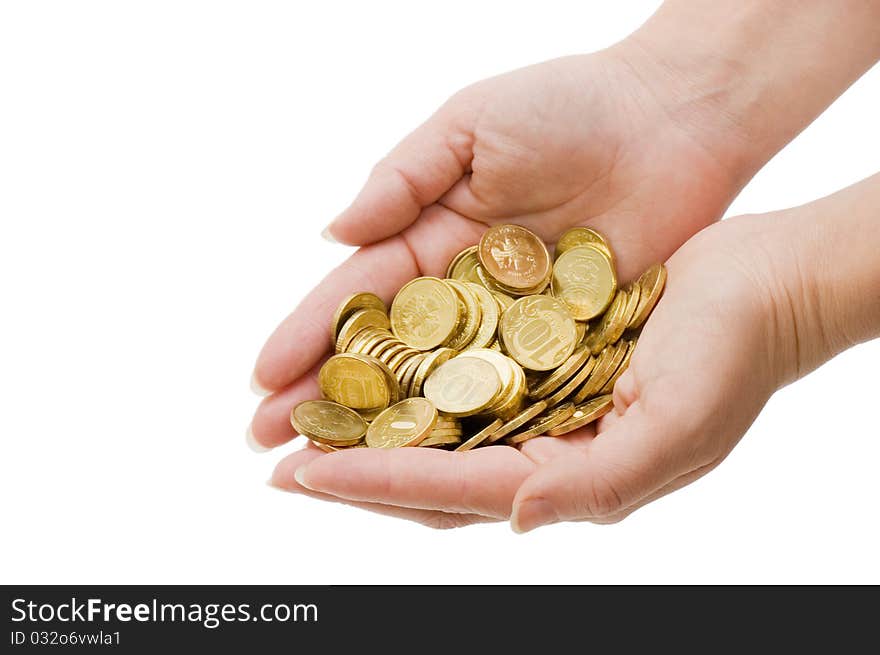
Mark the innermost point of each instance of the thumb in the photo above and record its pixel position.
(419, 170)
(622, 465)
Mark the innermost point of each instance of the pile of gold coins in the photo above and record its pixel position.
(511, 345)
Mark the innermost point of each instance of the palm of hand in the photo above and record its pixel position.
(540, 147)
(686, 399)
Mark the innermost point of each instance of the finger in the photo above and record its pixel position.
(419, 170)
(543, 449)
(482, 481)
(636, 456)
(382, 268)
(271, 426)
(302, 338)
(675, 485)
(283, 479)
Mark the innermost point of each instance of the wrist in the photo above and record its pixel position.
(747, 76)
(824, 277)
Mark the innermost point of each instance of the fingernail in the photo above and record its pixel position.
(328, 236)
(253, 444)
(256, 388)
(532, 514)
(300, 476)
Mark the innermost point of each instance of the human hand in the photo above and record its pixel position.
(582, 140)
(708, 359)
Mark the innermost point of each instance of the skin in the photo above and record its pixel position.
(646, 143)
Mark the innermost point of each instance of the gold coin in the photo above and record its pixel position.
(356, 381)
(584, 415)
(509, 372)
(469, 322)
(603, 360)
(538, 332)
(584, 279)
(633, 293)
(403, 424)
(480, 436)
(569, 387)
(514, 256)
(597, 337)
(651, 282)
(429, 364)
(408, 375)
(386, 352)
(614, 322)
(599, 377)
(560, 374)
(425, 313)
(582, 236)
(438, 441)
(581, 327)
(504, 301)
(462, 386)
(464, 266)
(349, 306)
(608, 387)
(328, 422)
(366, 340)
(517, 421)
(495, 345)
(543, 423)
(360, 320)
(326, 447)
(489, 315)
(396, 362)
(446, 432)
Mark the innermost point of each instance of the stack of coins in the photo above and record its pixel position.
(511, 345)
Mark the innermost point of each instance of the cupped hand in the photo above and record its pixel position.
(705, 364)
(605, 140)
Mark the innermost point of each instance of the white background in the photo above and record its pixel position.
(165, 171)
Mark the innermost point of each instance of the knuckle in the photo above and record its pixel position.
(601, 498)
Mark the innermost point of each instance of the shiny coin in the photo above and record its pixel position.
(584, 415)
(356, 381)
(582, 236)
(518, 421)
(425, 313)
(504, 301)
(481, 436)
(447, 431)
(470, 317)
(584, 279)
(463, 386)
(403, 424)
(571, 386)
(597, 336)
(543, 423)
(327, 422)
(600, 375)
(559, 375)
(633, 292)
(349, 306)
(489, 315)
(651, 282)
(514, 256)
(360, 320)
(464, 266)
(440, 440)
(429, 364)
(608, 387)
(538, 332)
